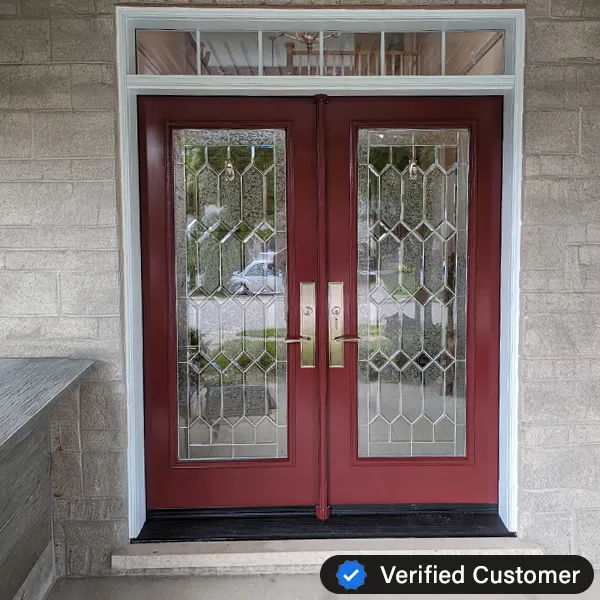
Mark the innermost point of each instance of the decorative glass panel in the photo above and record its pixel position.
(412, 239)
(231, 269)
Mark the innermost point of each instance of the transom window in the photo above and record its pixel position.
(331, 53)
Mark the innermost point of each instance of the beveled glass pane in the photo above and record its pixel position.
(231, 271)
(412, 272)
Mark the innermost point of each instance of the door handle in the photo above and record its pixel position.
(302, 338)
(306, 339)
(337, 339)
(343, 338)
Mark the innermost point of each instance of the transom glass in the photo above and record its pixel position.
(326, 53)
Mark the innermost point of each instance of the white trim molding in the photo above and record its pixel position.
(510, 86)
(509, 283)
(132, 284)
(455, 85)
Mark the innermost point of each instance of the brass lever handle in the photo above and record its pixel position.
(337, 339)
(343, 338)
(306, 339)
(302, 338)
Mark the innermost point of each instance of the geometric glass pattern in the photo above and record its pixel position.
(412, 271)
(231, 275)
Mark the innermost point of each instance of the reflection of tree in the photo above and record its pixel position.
(231, 210)
(402, 265)
(197, 343)
(231, 223)
(197, 339)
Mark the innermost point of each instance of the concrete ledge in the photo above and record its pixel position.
(294, 556)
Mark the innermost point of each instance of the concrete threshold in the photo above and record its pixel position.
(293, 556)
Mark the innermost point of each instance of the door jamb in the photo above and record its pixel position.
(509, 86)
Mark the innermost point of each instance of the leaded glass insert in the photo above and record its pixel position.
(412, 239)
(231, 272)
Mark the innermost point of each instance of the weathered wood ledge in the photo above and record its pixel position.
(29, 390)
(28, 385)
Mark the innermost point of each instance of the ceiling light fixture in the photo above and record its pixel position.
(309, 39)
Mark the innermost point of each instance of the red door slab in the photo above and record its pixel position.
(242, 200)
(418, 280)
(230, 418)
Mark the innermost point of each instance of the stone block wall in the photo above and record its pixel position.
(559, 495)
(88, 481)
(60, 275)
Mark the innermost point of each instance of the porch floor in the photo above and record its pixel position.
(254, 587)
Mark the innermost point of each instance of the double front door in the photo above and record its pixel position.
(320, 300)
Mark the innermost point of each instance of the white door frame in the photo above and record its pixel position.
(510, 86)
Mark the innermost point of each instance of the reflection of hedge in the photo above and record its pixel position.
(389, 250)
(432, 337)
(254, 347)
(387, 338)
(268, 332)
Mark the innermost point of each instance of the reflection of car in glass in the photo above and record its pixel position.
(259, 277)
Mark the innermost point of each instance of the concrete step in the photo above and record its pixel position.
(293, 556)
(252, 587)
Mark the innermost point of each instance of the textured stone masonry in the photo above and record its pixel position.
(60, 272)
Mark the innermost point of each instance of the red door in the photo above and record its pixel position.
(413, 201)
(228, 215)
(321, 301)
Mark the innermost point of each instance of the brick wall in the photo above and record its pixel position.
(59, 257)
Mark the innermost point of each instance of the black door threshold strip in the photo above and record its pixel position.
(345, 522)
